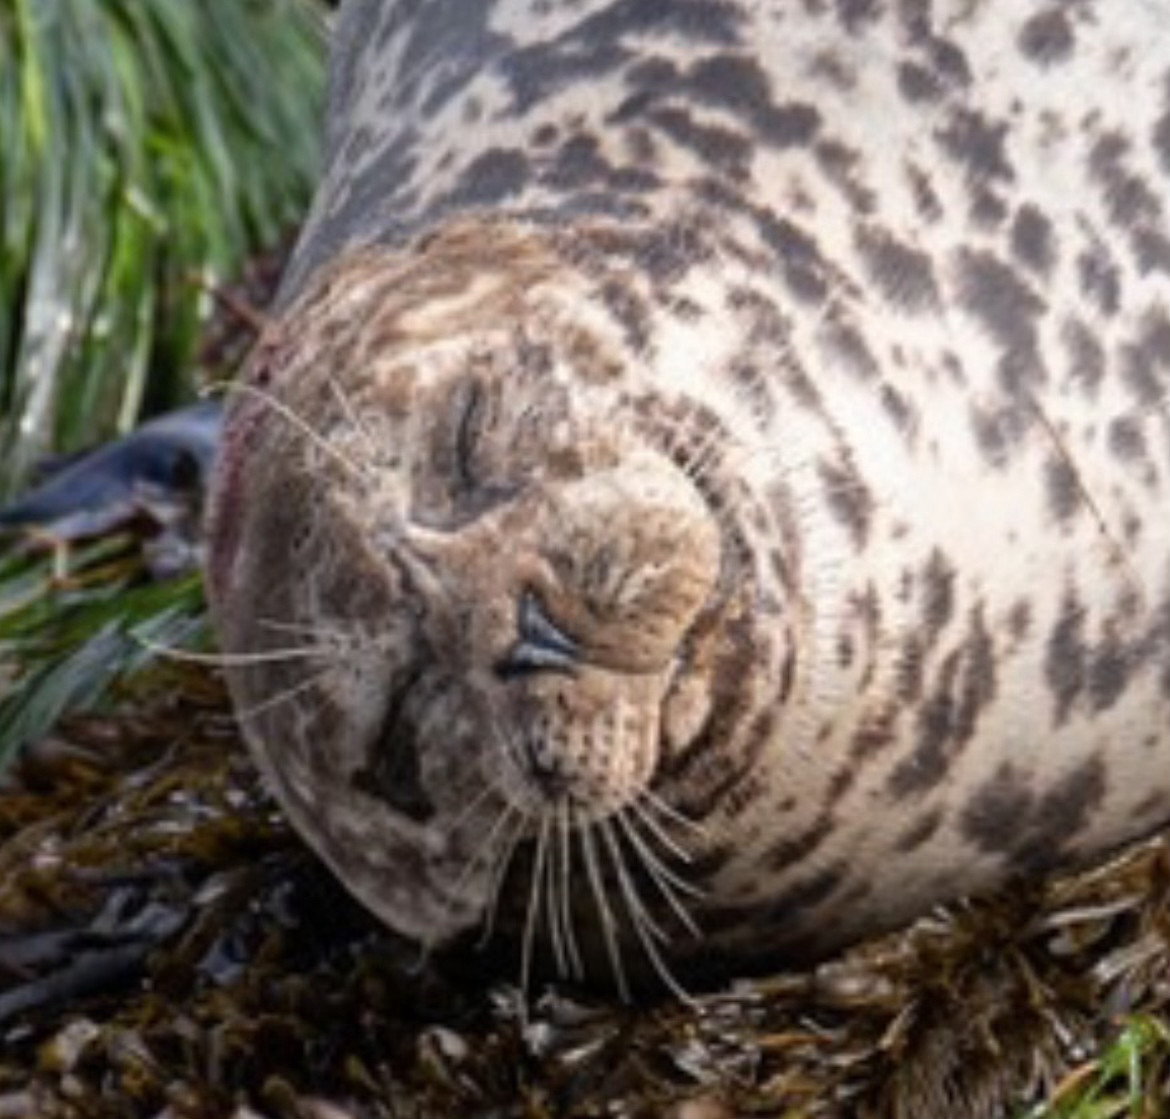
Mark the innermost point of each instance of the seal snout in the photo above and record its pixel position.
(628, 556)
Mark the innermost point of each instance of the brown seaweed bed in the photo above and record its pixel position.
(169, 949)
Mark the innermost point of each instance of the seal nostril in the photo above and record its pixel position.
(542, 647)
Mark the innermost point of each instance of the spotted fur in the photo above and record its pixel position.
(749, 412)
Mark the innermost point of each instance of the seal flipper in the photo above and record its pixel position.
(161, 463)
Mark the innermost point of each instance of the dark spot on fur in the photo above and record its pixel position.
(1032, 239)
(1099, 278)
(988, 209)
(800, 260)
(1127, 440)
(940, 54)
(1109, 671)
(1146, 361)
(948, 60)
(919, 833)
(1062, 813)
(1151, 249)
(848, 497)
(793, 850)
(938, 596)
(1062, 487)
(721, 149)
(649, 76)
(845, 342)
(1020, 620)
(917, 83)
(629, 309)
(843, 780)
(999, 431)
(1086, 357)
(904, 275)
(490, 178)
(994, 815)
(599, 43)
(739, 84)
(948, 718)
(1129, 201)
(977, 145)
(875, 734)
(846, 651)
(908, 681)
(899, 409)
(926, 200)
(1064, 658)
(842, 166)
(579, 163)
(993, 293)
(1161, 137)
(1047, 38)
(807, 893)
(854, 13)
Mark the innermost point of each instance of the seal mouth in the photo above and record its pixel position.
(393, 771)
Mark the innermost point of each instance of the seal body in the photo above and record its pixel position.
(704, 496)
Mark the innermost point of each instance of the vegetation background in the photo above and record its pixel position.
(148, 150)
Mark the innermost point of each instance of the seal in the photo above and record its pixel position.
(702, 498)
(152, 479)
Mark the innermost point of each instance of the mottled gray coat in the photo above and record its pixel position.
(749, 412)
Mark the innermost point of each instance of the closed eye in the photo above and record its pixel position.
(542, 647)
(471, 407)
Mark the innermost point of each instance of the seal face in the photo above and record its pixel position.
(703, 497)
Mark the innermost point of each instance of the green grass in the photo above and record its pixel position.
(147, 147)
(85, 640)
(1129, 1080)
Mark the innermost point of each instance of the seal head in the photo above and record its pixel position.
(463, 593)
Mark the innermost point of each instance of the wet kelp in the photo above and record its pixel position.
(167, 947)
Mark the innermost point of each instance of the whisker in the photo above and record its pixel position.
(553, 896)
(668, 884)
(653, 800)
(301, 425)
(481, 851)
(646, 928)
(475, 802)
(656, 829)
(352, 416)
(533, 908)
(228, 660)
(637, 910)
(604, 912)
(281, 697)
(576, 971)
(500, 868)
(304, 629)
